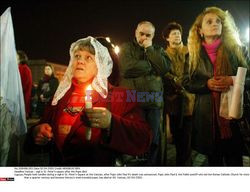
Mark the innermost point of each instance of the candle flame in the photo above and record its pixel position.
(89, 88)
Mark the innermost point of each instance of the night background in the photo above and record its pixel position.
(45, 29)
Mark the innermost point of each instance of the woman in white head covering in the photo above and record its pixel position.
(89, 128)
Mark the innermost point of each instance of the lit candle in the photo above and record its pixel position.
(88, 105)
(88, 102)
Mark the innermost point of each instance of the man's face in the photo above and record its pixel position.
(144, 32)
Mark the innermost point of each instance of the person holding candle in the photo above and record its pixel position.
(116, 126)
(215, 53)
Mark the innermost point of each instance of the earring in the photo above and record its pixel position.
(202, 35)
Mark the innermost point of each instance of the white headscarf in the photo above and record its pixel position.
(104, 65)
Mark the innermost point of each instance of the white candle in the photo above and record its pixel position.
(88, 105)
(88, 102)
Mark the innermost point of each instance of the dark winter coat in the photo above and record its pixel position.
(142, 70)
(47, 87)
(203, 140)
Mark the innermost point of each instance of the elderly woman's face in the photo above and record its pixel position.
(174, 37)
(84, 66)
(211, 25)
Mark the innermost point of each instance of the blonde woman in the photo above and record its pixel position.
(215, 52)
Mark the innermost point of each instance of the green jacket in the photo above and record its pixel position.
(142, 70)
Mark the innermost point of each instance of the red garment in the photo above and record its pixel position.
(26, 78)
(76, 102)
(129, 133)
(221, 123)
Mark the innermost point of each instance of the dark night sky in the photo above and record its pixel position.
(45, 29)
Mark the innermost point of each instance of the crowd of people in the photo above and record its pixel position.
(134, 96)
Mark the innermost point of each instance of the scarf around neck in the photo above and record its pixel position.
(211, 49)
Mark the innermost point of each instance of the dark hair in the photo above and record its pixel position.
(115, 75)
(51, 66)
(23, 58)
(171, 26)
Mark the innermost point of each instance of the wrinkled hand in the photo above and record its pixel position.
(42, 134)
(99, 117)
(147, 43)
(220, 83)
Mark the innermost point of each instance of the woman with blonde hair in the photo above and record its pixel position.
(215, 53)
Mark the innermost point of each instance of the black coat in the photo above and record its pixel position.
(202, 137)
(49, 90)
(142, 70)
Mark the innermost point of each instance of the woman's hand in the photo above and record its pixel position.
(220, 83)
(42, 134)
(99, 117)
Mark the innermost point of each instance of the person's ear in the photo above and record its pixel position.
(153, 35)
(167, 39)
(200, 32)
